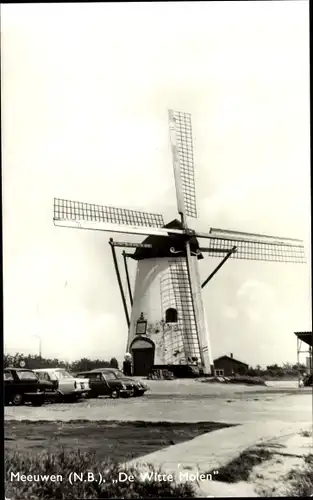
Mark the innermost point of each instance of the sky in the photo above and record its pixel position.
(85, 93)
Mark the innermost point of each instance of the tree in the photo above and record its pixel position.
(114, 363)
(273, 367)
(243, 370)
(33, 361)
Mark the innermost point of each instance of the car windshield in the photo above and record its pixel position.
(119, 374)
(61, 374)
(43, 376)
(26, 375)
(110, 375)
(93, 376)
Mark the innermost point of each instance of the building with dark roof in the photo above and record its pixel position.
(228, 365)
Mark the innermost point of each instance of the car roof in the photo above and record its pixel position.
(92, 372)
(48, 369)
(18, 369)
(108, 369)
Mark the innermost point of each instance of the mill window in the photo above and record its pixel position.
(171, 315)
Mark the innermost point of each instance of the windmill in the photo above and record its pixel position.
(167, 324)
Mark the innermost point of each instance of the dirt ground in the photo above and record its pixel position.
(184, 401)
(115, 440)
(171, 412)
(271, 478)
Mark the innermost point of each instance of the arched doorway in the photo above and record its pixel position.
(142, 350)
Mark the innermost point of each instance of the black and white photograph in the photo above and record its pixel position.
(157, 302)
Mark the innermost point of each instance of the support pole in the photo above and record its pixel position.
(193, 296)
(119, 282)
(127, 277)
(298, 349)
(311, 373)
(219, 266)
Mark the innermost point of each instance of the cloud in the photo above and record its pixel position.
(230, 312)
(255, 299)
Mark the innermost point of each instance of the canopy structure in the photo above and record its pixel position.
(307, 338)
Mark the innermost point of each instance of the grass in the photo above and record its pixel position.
(306, 433)
(120, 441)
(65, 463)
(301, 481)
(245, 379)
(240, 468)
(298, 482)
(237, 379)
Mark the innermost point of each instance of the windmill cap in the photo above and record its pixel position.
(170, 246)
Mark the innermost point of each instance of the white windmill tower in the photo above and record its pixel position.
(167, 324)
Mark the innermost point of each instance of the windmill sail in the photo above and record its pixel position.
(251, 246)
(183, 161)
(76, 210)
(76, 214)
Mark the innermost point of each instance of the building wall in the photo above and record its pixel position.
(229, 366)
(162, 283)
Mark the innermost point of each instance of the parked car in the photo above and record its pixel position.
(23, 386)
(139, 387)
(107, 384)
(68, 387)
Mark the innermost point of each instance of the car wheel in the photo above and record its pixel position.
(17, 399)
(73, 398)
(37, 402)
(92, 395)
(139, 393)
(67, 398)
(115, 394)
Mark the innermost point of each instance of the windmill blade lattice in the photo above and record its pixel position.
(250, 246)
(67, 210)
(175, 292)
(182, 146)
(173, 344)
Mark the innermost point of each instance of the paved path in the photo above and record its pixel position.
(263, 413)
(208, 452)
(243, 409)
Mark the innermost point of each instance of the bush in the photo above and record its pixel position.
(302, 480)
(114, 363)
(243, 370)
(240, 468)
(65, 463)
(34, 361)
(238, 379)
(85, 364)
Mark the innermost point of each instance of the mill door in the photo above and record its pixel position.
(142, 349)
(143, 361)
